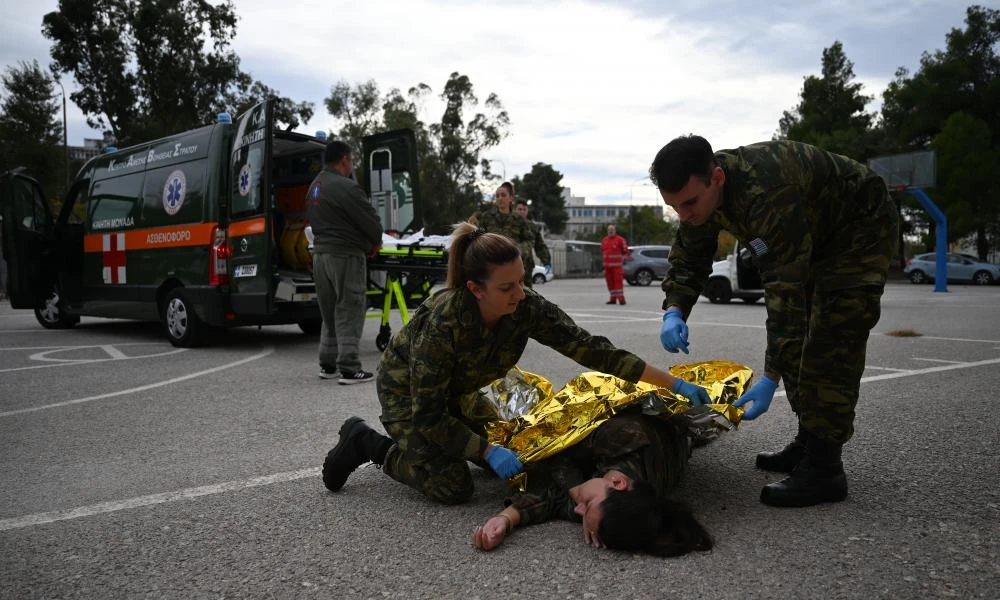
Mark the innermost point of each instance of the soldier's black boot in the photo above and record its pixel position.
(358, 444)
(818, 478)
(785, 460)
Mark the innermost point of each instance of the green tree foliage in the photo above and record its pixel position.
(31, 129)
(450, 150)
(542, 185)
(149, 68)
(950, 105)
(831, 113)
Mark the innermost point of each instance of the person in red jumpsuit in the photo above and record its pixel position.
(614, 249)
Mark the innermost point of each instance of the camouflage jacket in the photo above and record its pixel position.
(446, 352)
(642, 447)
(538, 246)
(512, 225)
(795, 206)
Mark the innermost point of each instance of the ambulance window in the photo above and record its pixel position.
(247, 198)
(113, 200)
(29, 206)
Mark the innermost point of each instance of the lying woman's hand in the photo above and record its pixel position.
(491, 535)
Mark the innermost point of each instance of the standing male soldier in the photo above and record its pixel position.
(614, 248)
(822, 229)
(345, 229)
(539, 247)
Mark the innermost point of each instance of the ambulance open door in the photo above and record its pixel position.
(392, 178)
(26, 229)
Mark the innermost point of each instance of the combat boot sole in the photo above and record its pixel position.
(805, 489)
(783, 461)
(345, 457)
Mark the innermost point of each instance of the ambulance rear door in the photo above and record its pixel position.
(392, 176)
(251, 229)
(27, 244)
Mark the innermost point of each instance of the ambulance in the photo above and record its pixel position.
(201, 231)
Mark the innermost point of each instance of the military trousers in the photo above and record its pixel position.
(842, 299)
(421, 464)
(341, 283)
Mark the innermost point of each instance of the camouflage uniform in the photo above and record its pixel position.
(642, 447)
(517, 228)
(432, 371)
(822, 229)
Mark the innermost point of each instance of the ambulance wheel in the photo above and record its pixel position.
(51, 314)
(311, 326)
(382, 339)
(180, 323)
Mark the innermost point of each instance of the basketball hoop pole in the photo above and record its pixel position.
(941, 239)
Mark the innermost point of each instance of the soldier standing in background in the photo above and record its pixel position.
(822, 229)
(614, 249)
(345, 229)
(539, 247)
(459, 340)
(501, 218)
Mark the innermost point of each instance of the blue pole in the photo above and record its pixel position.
(941, 240)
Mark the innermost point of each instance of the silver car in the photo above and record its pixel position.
(646, 263)
(961, 268)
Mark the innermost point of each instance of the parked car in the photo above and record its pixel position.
(734, 277)
(646, 263)
(961, 268)
(540, 275)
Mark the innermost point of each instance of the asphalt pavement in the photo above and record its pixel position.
(131, 468)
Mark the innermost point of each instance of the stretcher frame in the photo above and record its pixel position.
(410, 273)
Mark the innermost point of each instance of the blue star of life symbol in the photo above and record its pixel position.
(174, 192)
(244, 180)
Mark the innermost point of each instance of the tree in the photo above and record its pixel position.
(831, 113)
(542, 186)
(31, 131)
(450, 150)
(149, 68)
(642, 226)
(963, 77)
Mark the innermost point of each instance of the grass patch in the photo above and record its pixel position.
(904, 333)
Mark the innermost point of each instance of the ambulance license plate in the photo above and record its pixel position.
(245, 271)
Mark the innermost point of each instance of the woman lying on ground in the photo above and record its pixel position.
(615, 482)
(458, 341)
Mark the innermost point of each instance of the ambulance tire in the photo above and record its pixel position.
(311, 326)
(180, 323)
(51, 314)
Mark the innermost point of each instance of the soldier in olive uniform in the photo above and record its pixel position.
(822, 229)
(539, 247)
(616, 483)
(459, 340)
(501, 218)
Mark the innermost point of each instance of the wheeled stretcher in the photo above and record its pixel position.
(402, 275)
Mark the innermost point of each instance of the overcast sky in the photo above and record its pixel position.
(593, 88)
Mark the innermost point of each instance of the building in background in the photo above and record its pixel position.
(586, 218)
(89, 149)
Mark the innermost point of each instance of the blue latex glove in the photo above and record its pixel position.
(695, 393)
(760, 395)
(548, 269)
(504, 462)
(674, 332)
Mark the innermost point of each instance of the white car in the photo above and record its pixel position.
(540, 275)
(734, 277)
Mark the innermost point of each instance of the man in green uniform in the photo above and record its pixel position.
(501, 218)
(539, 247)
(822, 230)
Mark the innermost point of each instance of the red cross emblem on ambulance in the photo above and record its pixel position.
(113, 257)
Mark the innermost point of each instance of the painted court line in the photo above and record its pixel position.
(950, 362)
(114, 506)
(154, 499)
(888, 369)
(268, 350)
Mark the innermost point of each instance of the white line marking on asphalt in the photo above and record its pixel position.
(950, 362)
(114, 352)
(70, 362)
(888, 369)
(85, 346)
(268, 350)
(154, 499)
(113, 506)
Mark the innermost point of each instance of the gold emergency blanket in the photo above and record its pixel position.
(538, 424)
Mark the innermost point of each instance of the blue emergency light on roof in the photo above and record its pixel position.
(321, 135)
(110, 149)
(224, 117)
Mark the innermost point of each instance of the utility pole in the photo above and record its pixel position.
(65, 141)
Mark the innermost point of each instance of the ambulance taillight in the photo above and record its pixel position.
(218, 260)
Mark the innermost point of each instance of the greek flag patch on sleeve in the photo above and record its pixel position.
(758, 247)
